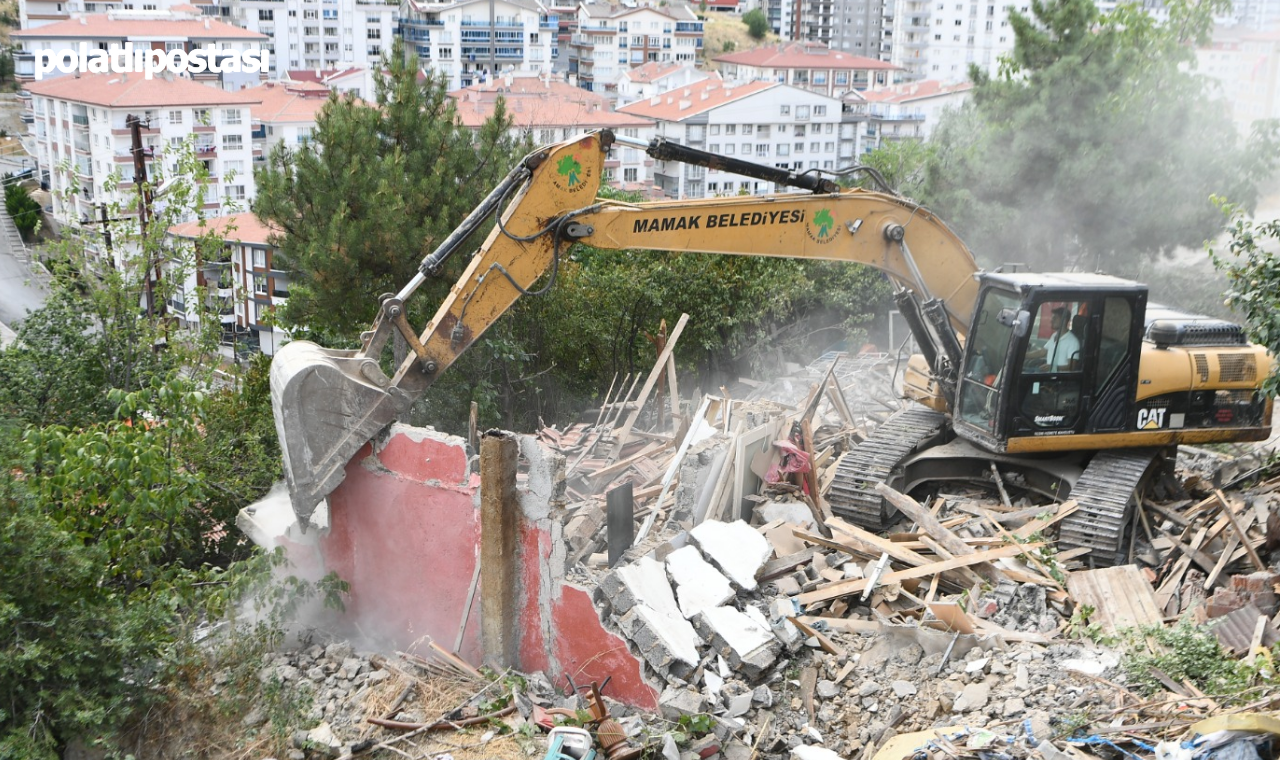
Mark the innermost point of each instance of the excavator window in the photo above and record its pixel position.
(1053, 364)
(988, 348)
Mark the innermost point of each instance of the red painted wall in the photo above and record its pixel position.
(405, 535)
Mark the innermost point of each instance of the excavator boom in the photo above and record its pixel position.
(328, 404)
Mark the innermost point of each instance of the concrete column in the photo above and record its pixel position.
(499, 547)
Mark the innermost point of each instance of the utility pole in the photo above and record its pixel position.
(106, 231)
(144, 211)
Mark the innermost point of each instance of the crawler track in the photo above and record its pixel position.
(876, 460)
(1105, 494)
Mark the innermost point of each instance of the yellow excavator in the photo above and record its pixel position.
(1066, 384)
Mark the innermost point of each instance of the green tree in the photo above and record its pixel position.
(24, 209)
(377, 188)
(1251, 262)
(1097, 141)
(757, 23)
(903, 165)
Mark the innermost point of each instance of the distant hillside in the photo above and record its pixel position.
(720, 30)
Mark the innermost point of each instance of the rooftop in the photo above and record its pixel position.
(694, 99)
(240, 228)
(287, 101)
(651, 71)
(532, 102)
(802, 55)
(155, 25)
(905, 93)
(135, 91)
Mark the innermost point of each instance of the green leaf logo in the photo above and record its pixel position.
(824, 222)
(569, 167)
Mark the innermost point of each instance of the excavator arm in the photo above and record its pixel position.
(328, 403)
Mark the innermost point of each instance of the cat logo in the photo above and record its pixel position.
(1151, 419)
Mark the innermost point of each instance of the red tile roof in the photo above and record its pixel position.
(286, 101)
(239, 228)
(135, 91)
(100, 25)
(905, 93)
(802, 55)
(534, 112)
(693, 99)
(651, 71)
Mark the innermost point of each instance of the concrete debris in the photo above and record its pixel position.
(736, 548)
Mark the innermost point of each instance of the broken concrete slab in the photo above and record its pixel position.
(736, 548)
(699, 586)
(746, 641)
(666, 642)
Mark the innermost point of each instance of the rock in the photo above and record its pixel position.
(736, 548)
(339, 651)
(746, 640)
(812, 752)
(676, 701)
(867, 688)
(1012, 706)
(1021, 677)
(738, 705)
(903, 689)
(762, 696)
(827, 689)
(377, 676)
(322, 736)
(972, 697)
(254, 717)
(977, 666)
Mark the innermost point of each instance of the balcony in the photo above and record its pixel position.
(80, 120)
(124, 132)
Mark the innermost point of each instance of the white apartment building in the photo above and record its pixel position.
(175, 29)
(36, 13)
(81, 138)
(763, 122)
(548, 110)
(904, 111)
(285, 112)
(357, 80)
(310, 34)
(472, 41)
(643, 82)
(1246, 65)
(939, 39)
(244, 286)
(611, 39)
(807, 65)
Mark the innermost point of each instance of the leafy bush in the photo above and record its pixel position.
(24, 209)
(757, 23)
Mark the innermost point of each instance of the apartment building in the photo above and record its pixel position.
(473, 41)
(768, 123)
(645, 81)
(244, 286)
(939, 39)
(309, 34)
(611, 39)
(176, 29)
(908, 111)
(36, 13)
(81, 139)
(547, 110)
(857, 27)
(284, 112)
(1245, 63)
(809, 66)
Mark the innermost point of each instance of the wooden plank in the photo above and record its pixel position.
(827, 645)
(936, 530)
(1168, 514)
(658, 368)
(1121, 596)
(1240, 532)
(953, 616)
(1064, 510)
(844, 588)
(844, 625)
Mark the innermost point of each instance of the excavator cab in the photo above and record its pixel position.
(1050, 355)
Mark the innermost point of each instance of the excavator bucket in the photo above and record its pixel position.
(327, 403)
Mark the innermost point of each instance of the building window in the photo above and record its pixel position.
(630, 175)
(232, 142)
(266, 15)
(747, 129)
(784, 149)
(175, 117)
(231, 116)
(310, 14)
(819, 110)
(235, 192)
(786, 110)
(201, 115)
(731, 129)
(373, 33)
(259, 283)
(802, 112)
(715, 129)
(259, 258)
(232, 169)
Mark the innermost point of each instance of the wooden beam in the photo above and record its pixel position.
(659, 367)
(936, 530)
(845, 588)
(499, 545)
(1258, 564)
